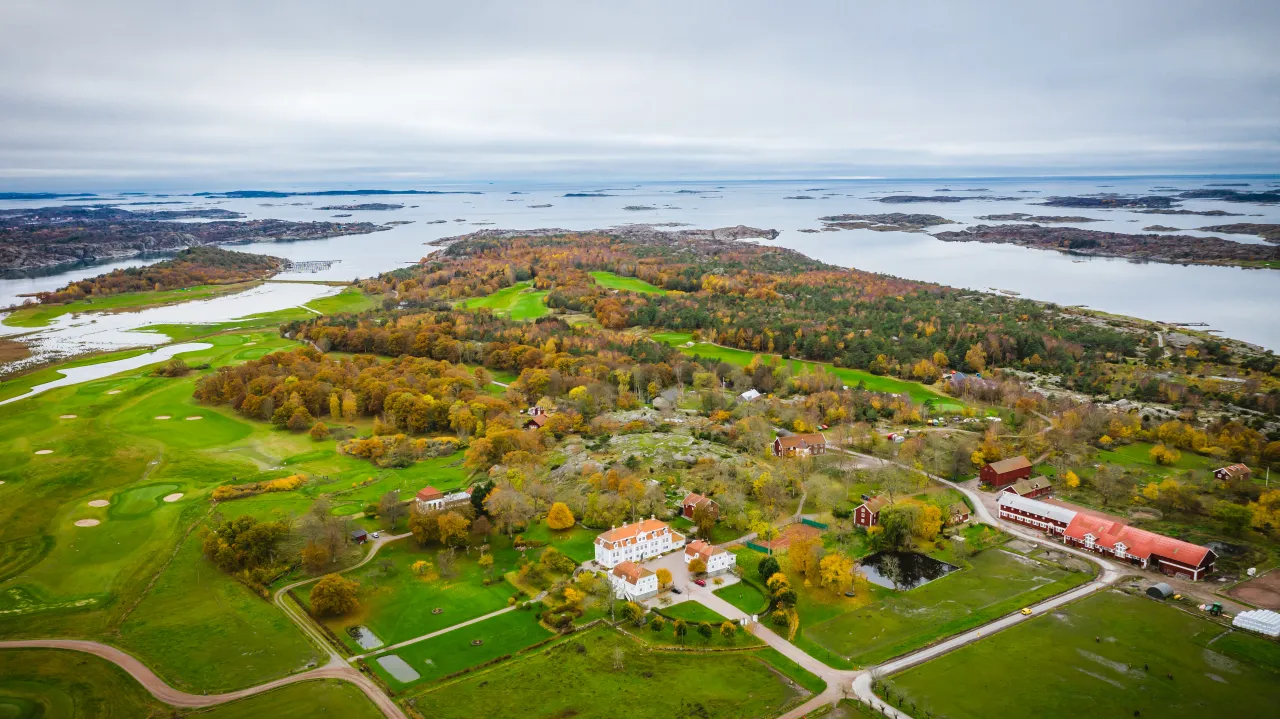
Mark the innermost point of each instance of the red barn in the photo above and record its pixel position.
(1006, 471)
(693, 501)
(1138, 546)
(868, 513)
(800, 445)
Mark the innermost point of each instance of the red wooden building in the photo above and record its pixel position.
(695, 500)
(867, 514)
(1030, 488)
(1006, 471)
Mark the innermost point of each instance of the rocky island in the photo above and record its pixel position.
(1180, 249)
(1270, 233)
(51, 236)
(1039, 219)
(365, 206)
(887, 222)
(1108, 201)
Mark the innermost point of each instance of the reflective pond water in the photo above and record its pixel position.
(912, 569)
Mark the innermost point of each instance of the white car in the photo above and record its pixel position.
(375, 535)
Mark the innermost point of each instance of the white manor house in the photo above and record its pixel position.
(636, 542)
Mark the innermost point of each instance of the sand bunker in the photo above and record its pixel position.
(44, 451)
(113, 391)
(246, 344)
(164, 416)
(67, 416)
(87, 522)
(173, 497)
(99, 503)
(194, 417)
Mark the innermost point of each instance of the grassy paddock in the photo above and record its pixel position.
(610, 281)
(580, 677)
(852, 377)
(519, 302)
(452, 652)
(36, 683)
(1092, 653)
(304, 700)
(996, 583)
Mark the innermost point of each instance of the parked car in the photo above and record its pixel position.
(676, 590)
(1026, 611)
(700, 582)
(375, 535)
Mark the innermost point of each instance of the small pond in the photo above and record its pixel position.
(913, 570)
(364, 637)
(399, 669)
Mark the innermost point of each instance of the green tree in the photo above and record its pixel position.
(768, 567)
(705, 630)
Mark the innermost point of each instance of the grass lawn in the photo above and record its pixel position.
(452, 652)
(744, 596)
(692, 612)
(519, 302)
(398, 606)
(996, 583)
(1211, 676)
(720, 532)
(42, 315)
(852, 377)
(610, 281)
(577, 542)
(304, 700)
(579, 677)
(1137, 455)
(20, 384)
(38, 683)
(203, 631)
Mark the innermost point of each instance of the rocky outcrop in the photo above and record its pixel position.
(364, 206)
(657, 234)
(1110, 202)
(1270, 233)
(52, 236)
(886, 222)
(1038, 219)
(1180, 249)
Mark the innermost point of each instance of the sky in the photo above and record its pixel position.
(102, 93)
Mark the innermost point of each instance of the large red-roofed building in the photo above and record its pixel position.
(1138, 546)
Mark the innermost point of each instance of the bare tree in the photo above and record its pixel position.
(891, 569)
(618, 656)
(392, 510)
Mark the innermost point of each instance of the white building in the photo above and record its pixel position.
(633, 582)
(749, 396)
(636, 542)
(430, 498)
(717, 559)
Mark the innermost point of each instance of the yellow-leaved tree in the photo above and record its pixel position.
(560, 517)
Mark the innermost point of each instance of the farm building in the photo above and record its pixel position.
(537, 421)
(1160, 590)
(1048, 518)
(716, 559)
(1233, 472)
(633, 582)
(693, 501)
(1006, 471)
(957, 513)
(1111, 537)
(359, 536)
(867, 514)
(1031, 488)
(1138, 546)
(636, 542)
(800, 445)
(429, 498)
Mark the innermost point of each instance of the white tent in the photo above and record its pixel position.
(1262, 621)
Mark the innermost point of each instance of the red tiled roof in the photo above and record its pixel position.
(1011, 464)
(630, 571)
(1138, 542)
(426, 494)
(539, 419)
(694, 498)
(1235, 470)
(627, 531)
(698, 547)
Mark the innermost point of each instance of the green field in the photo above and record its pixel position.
(195, 626)
(49, 683)
(304, 700)
(578, 542)
(852, 377)
(610, 281)
(744, 596)
(1137, 455)
(42, 315)
(692, 612)
(1112, 653)
(996, 583)
(397, 604)
(578, 677)
(453, 651)
(519, 302)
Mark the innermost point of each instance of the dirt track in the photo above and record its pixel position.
(1261, 591)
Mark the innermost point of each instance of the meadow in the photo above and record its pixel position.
(519, 302)
(852, 377)
(610, 281)
(583, 676)
(37, 683)
(304, 700)
(1118, 655)
(454, 651)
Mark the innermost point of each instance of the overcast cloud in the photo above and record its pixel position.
(420, 92)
